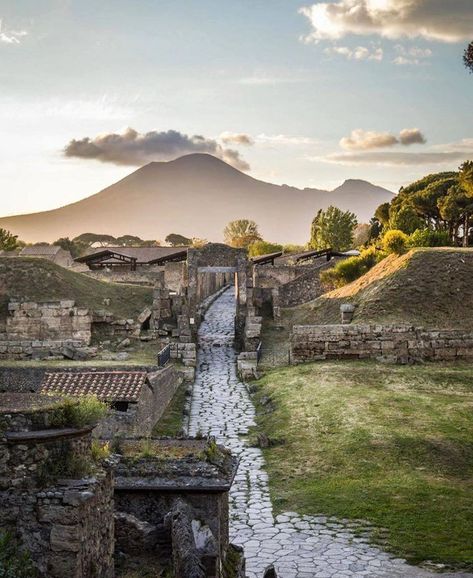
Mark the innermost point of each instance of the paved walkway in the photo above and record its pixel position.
(298, 546)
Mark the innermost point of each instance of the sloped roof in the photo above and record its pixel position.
(39, 250)
(141, 254)
(106, 385)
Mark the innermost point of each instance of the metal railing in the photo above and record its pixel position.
(164, 356)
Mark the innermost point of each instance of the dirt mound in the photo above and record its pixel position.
(427, 287)
(33, 279)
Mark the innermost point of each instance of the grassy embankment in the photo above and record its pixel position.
(392, 445)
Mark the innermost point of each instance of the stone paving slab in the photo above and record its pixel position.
(298, 546)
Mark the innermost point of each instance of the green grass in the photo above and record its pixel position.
(392, 445)
(171, 422)
(40, 280)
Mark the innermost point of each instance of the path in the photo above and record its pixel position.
(299, 546)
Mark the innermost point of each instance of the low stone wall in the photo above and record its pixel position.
(392, 343)
(145, 275)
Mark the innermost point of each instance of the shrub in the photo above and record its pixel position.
(429, 238)
(79, 412)
(13, 562)
(395, 241)
(100, 450)
(263, 248)
(351, 269)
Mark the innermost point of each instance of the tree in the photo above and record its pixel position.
(176, 240)
(8, 242)
(382, 214)
(129, 241)
(361, 234)
(198, 243)
(332, 229)
(76, 249)
(241, 233)
(468, 57)
(91, 238)
(263, 248)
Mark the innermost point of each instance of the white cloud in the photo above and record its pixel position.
(285, 140)
(358, 53)
(11, 36)
(412, 55)
(368, 140)
(239, 138)
(398, 158)
(441, 20)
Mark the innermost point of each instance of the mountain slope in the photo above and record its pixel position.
(195, 195)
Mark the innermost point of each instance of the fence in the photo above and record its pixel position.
(164, 356)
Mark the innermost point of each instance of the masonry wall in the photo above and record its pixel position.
(394, 343)
(145, 275)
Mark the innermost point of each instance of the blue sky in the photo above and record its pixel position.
(284, 89)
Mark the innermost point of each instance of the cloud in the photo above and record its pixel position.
(239, 138)
(285, 140)
(441, 20)
(358, 53)
(398, 158)
(412, 55)
(10, 36)
(133, 148)
(410, 136)
(367, 140)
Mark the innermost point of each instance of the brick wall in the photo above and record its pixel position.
(394, 343)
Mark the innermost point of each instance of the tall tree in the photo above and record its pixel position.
(8, 242)
(468, 57)
(91, 238)
(129, 241)
(176, 240)
(75, 248)
(333, 229)
(241, 233)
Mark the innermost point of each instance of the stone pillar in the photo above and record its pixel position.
(347, 310)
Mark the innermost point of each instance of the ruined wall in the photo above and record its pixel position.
(145, 275)
(394, 343)
(67, 527)
(175, 276)
(141, 417)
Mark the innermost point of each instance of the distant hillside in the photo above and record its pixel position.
(428, 287)
(40, 280)
(195, 195)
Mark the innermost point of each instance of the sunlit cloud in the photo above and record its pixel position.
(441, 20)
(239, 138)
(11, 36)
(358, 53)
(135, 149)
(412, 55)
(368, 140)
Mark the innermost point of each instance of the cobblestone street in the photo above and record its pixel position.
(298, 546)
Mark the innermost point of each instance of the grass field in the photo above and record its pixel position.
(40, 280)
(392, 445)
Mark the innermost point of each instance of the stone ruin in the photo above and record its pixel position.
(81, 516)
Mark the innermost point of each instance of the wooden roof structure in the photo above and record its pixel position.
(266, 259)
(113, 256)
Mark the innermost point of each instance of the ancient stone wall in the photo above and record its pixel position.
(66, 525)
(145, 275)
(141, 417)
(394, 343)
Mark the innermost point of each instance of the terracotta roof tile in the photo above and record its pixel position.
(106, 385)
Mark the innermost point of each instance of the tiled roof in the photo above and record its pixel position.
(37, 250)
(106, 385)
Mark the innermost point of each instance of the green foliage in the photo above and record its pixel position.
(466, 176)
(382, 214)
(395, 241)
(350, 269)
(241, 233)
(129, 241)
(468, 57)
(78, 412)
(429, 238)
(76, 248)
(14, 563)
(176, 240)
(8, 242)
(333, 229)
(292, 248)
(263, 248)
(91, 238)
(100, 450)
(406, 220)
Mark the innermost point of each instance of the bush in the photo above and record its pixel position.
(79, 412)
(351, 269)
(395, 241)
(263, 248)
(13, 562)
(429, 238)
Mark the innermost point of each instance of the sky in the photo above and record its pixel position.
(303, 93)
